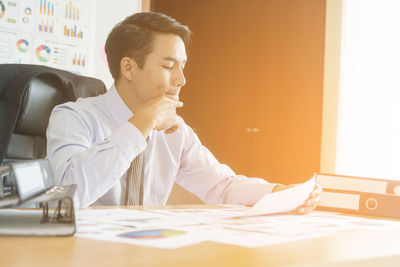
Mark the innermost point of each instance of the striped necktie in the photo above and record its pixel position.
(134, 183)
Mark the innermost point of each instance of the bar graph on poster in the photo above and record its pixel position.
(55, 33)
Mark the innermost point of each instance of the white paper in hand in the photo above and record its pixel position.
(283, 201)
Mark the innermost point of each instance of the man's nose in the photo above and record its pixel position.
(180, 78)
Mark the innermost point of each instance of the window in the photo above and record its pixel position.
(368, 136)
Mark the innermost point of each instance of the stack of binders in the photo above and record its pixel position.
(359, 195)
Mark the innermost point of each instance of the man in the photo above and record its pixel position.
(128, 146)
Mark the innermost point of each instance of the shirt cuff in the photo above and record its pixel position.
(129, 139)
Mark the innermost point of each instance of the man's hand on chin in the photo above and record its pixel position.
(157, 114)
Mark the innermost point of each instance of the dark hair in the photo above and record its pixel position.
(133, 37)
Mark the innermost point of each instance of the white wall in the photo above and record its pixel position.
(109, 13)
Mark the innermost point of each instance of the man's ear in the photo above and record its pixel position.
(128, 68)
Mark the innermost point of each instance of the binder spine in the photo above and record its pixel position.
(371, 204)
(352, 183)
(380, 205)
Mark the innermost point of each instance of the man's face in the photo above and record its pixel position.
(162, 73)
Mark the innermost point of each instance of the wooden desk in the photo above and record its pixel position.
(357, 248)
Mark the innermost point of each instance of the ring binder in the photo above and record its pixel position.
(358, 195)
(31, 183)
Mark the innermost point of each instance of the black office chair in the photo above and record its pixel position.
(23, 128)
(28, 140)
(28, 94)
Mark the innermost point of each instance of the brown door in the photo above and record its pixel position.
(254, 82)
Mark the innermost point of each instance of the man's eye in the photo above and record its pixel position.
(168, 67)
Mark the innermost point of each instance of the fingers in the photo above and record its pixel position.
(312, 201)
(175, 101)
(306, 209)
(309, 206)
(166, 114)
(178, 104)
(317, 191)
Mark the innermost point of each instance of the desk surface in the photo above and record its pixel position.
(356, 248)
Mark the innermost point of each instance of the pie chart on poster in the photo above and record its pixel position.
(43, 53)
(2, 9)
(23, 45)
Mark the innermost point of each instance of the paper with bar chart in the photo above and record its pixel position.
(55, 33)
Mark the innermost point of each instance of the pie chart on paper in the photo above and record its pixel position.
(152, 234)
(43, 53)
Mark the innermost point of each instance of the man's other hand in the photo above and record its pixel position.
(310, 204)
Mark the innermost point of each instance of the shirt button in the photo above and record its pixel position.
(136, 150)
(116, 176)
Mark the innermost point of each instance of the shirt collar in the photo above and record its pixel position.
(117, 107)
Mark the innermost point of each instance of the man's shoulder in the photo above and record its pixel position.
(82, 106)
(82, 103)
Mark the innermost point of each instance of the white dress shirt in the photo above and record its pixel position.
(91, 143)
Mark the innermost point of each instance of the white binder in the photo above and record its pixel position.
(360, 195)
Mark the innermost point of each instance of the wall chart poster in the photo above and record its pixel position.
(55, 33)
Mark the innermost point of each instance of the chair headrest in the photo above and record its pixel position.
(39, 99)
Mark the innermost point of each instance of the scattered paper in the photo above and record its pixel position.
(174, 228)
(204, 215)
(138, 219)
(274, 229)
